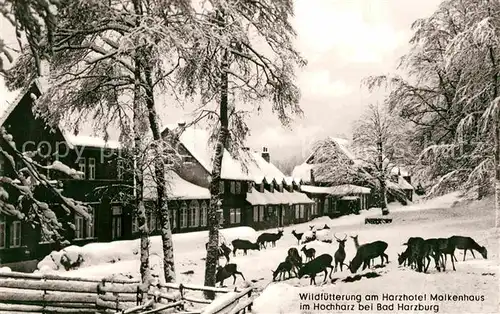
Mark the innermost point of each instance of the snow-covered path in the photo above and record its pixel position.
(432, 219)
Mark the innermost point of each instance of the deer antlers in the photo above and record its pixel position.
(345, 237)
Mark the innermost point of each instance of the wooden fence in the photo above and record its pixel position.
(34, 293)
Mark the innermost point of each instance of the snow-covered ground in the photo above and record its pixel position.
(433, 218)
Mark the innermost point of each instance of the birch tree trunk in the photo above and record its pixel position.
(162, 207)
(139, 182)
(215, 193)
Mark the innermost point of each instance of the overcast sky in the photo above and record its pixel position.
(343, 41)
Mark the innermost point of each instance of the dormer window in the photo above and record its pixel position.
(232, 187)
(261, 188)
(249, 187)
(238, 187)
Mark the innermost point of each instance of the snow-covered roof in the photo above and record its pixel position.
(402, 184)
(265, 198)
(400, 170)
(344, 189)
(90, 141)
(303, 172)
(292, 180)
(251, 167)
(177, 188)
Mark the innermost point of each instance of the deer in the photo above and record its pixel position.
(366, 252)
(224, 250)
(269, 237)
(467, 243)
(309, 253)
(407, 255)
(227, 271)
(283, 267)
(340, 253)
(418, 252)
(297, 236)
(310, 236)
(442, 247)
(315, 266)
(356, 244)
(244, 245)
(295, 259)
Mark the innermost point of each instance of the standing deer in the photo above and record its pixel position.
(340, 254)
(269, 237)
(309, 253)
(317, 265)
(297, 236)
(227, 271)
(295, 259)
(442, 247)
(467, 243)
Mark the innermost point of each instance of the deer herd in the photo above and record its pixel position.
(417, 255)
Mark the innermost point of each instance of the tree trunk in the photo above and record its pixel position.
(162, 207)
(496, 131)
(215, 193)
(139, 182)
(383, 187)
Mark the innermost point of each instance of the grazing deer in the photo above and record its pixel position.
(309, 253)
(269, 237)
(467, 243)
(295, 259)
(297, 236)
(227, 271)
(244, 245)
(224, 250)
(366, 252)
(283, 267)
(356, 244)
(317, 265)
(340, 254)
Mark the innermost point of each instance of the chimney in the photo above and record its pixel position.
(312, 176)
(181, 124)
(265, 154)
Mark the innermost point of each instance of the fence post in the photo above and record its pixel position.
(249, 296)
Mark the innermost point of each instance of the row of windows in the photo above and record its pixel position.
(90, 174)
(235, 187)
(14, 234)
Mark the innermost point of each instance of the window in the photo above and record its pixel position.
(15, 234)
(297, 211)
(187, 159)
(2, 231)
(261, 213)
(249, 187)
(151, 218)
(91, 224)
(91, 168)
(135, 224)
(204, 214)
(78, 227)
(173, 219)
(271, 187)
(119, 169)
(302, 211)
(238, 187)
(194, 214)
(221, 186)
(232, 187)
(256, 213)
(81, 166)
(235, 215)
(184, 216)
(116, 222)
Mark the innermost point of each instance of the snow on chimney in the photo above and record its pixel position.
(265, 154)
(181, 123)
